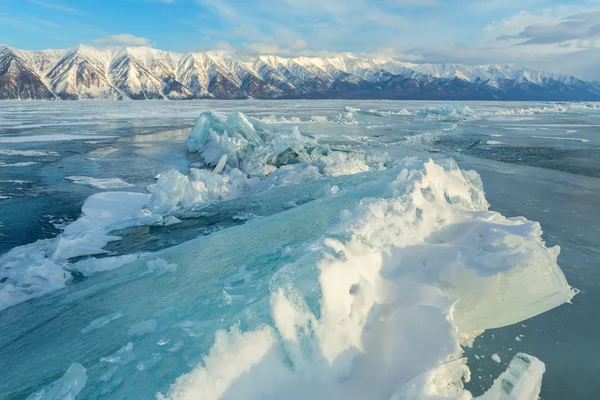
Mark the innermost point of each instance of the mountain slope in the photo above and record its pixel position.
(18, 80)
(141, 73)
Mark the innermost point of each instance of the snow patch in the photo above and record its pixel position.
(28, 153)
(569, 139)
(54, 137)
(18, 164)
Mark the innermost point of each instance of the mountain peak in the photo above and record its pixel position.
(143, 72)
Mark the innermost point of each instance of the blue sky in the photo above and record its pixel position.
(562, 36)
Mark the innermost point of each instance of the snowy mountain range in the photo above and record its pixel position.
(139, 73)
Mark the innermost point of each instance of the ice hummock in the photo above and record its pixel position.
(458, 113)
(454, 112)
(402, 279)
(347, 116)
(241, 158)
(215, 134)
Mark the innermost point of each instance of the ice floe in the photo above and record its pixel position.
(99, 183)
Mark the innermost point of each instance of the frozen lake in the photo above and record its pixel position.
(136, 289)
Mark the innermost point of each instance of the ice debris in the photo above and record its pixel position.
(142, 328)
(65, 388)
(99, 183)
(346, 117)
(160, 266)
(123, 356)
(522, 380)
(248, 158)
(102, 321)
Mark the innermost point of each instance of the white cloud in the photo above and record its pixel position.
(510, 26)
(124, 39)
(57, 7)
(223, 45)
(265, 48)
(426, 3)
(543, 35)
(299, 44)
(392, 53)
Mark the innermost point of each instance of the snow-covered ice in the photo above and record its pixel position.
(28, 153)
(18, 164)
(572, 139)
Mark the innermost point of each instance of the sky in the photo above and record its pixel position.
(559, 36)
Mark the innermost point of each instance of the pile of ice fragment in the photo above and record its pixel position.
(454, 112)
(217, 134)
(379, 307)
(272, 119)
(244, 157)
(347, 116)
(382, 113)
